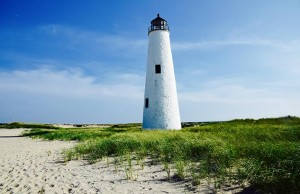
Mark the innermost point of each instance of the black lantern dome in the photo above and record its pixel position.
(158, 24)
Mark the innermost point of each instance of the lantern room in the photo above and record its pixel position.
(158, 24)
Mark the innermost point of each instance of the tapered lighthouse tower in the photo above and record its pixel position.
(161, 109)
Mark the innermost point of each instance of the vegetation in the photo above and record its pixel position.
(81, 134)
(264, 153)
(15, 125)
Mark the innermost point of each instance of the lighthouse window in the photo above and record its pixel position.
(146, 102)
(157, 69)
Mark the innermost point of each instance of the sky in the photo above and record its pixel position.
(85, 61)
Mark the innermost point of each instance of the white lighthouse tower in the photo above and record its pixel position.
(161, 109)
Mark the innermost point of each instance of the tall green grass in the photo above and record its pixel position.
(264, 153)
(79, 134)
(15, 125)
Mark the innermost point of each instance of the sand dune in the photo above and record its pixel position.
(36, 166)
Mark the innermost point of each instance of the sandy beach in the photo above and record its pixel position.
(36, 166)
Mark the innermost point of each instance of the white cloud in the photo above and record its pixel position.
(227, 98)
(92, 39)
(70, 96)
(50, 95)
(46, 94)
(216, 44)
(69, 83)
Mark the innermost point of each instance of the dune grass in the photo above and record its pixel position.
(264, 153)
(16, 125)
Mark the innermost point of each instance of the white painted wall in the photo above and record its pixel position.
(163, 110)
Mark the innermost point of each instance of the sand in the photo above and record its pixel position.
(36, 166)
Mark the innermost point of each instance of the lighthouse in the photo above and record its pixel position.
(161, 109)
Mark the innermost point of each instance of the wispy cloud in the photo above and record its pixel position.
(47, 94)
(70, 83)
(69, 96)
(216, 44)
(91, 38)
(234, 98)
(62, 86)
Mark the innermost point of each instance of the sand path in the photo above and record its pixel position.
(36, 166)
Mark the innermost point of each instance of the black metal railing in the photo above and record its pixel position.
(163, 27)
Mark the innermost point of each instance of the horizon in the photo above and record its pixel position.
(79, 62)
(182, 122)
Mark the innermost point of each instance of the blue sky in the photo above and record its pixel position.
(85, 61)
